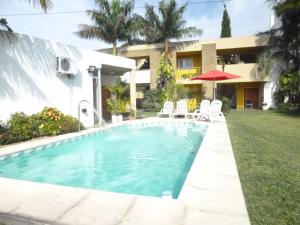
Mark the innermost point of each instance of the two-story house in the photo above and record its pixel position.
(237, 55)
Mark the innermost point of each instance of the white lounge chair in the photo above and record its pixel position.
(203, 112)
(181, 109)
(215, 110)
(167, 109)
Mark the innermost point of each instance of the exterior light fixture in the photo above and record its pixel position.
(92, 69)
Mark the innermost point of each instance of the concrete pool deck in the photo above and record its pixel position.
(211, 194)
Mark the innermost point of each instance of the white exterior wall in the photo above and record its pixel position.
(29, 82)
(272, 85)
(141, 76)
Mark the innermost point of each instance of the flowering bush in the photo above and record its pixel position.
(49, 122)
(192, 104)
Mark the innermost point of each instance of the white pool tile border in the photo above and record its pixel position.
(14, 150)
(211, 194)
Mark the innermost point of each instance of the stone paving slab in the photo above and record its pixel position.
(99, 208)
(211, 195)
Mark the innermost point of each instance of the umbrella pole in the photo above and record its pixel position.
(214, 90)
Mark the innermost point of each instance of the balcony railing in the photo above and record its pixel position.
(187, 73)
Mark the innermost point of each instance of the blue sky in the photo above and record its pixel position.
(247, 18)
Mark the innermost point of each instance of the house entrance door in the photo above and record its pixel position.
(251, 98)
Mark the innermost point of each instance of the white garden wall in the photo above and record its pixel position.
(29, 82)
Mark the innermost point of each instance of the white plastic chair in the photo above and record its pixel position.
(215, 110)
(203, 112)
(181, 109)
(167, 109)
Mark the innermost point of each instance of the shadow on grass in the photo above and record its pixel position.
(295, 114)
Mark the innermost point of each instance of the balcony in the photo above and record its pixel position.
(141, 77)
(247, 71)
(185, 75)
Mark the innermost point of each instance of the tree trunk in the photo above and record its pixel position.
(166, 47)
(114, 49)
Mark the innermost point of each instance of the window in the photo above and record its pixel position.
(186, 63)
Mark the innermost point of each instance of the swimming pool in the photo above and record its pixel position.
(135, 158)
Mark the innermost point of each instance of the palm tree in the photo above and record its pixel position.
(167, 24)
(4, 24)
(284, 46)
(5, 31)
(284, 41)
(113, 22)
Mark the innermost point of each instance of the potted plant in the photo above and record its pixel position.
(113, 108)
(118, 101)
(132, 115)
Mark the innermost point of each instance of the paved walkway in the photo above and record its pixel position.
(211, 195)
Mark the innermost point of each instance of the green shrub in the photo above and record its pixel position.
(70, 124)
(35, 122)
(287, 97)
(3, 132)
(18, 128)
(152, 100)
(225, 105)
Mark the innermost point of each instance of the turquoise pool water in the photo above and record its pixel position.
(143, 160)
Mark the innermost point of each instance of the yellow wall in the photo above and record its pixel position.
(186, 74)
(182, 74)
(196, 59)
(240, 93)
(247, 72)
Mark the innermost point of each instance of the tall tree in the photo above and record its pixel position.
(284, 40)
(226, 29)
(167, 24)
(284, 46)
(113, 22)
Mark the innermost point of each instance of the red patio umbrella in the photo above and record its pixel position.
(215, 75)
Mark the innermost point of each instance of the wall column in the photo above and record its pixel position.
(99, 109)
(209, 62)
(132, 91)
(154, 65)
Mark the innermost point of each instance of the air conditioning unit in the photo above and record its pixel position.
(64, 66)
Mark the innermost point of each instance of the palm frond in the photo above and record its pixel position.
(167, 24)
(44, 4)
(93, 32)
(113, 21)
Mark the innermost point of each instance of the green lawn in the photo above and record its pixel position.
(266, 145)
(140, 114)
